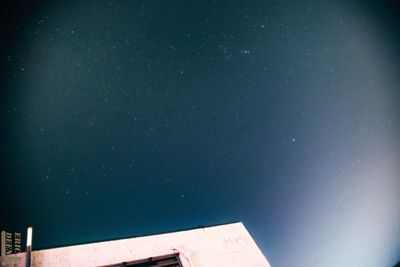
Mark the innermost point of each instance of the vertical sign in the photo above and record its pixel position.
(11, 243)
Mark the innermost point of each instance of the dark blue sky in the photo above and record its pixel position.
(126, 118)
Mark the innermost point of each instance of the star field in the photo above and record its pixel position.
(131, 118)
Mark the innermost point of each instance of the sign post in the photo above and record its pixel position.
(28, 247)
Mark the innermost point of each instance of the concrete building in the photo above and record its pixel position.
(224, 245)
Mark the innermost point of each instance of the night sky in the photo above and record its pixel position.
(127, 118)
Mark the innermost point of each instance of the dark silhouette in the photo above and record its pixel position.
(397, 264)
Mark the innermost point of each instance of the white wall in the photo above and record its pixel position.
(225, 245)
